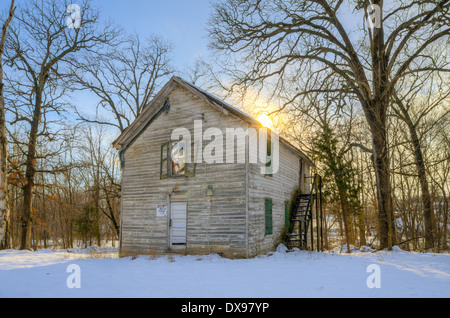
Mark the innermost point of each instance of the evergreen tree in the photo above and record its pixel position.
(340, 175)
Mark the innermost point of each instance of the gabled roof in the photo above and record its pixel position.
(157, 104)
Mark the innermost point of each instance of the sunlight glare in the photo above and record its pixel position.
(265, 121)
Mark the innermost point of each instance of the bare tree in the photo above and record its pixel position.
(123, 78)
(39, 44)
(438, 170)
(274, 37)
(101, 176)
(328, 115)
(4, 208)
(413, 104)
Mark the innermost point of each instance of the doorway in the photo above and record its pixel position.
(177, 222)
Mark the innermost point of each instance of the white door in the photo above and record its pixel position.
(178, 223)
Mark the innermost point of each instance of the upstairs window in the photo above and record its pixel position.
(174, 163)
(269, 170)
(177, 158)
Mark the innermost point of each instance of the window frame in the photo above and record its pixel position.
(166, 161)
(268, 170)
(164, 171)
(170, 160)
(268, 216)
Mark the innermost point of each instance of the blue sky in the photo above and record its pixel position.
(181, 22)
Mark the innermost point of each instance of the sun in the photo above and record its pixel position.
(265, 121)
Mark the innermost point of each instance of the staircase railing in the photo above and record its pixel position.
(301, 218)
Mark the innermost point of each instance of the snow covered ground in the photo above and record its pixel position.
(297, 274)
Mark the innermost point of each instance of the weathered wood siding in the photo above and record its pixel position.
(214, 224)
(232, 220)
(279, 188)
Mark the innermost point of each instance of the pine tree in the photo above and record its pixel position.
(340, 173)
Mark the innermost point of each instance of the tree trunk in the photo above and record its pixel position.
(28, 189)
(376, 114)
(381, 165)
(444, 234)
(111, 217)
(426, 197)
(346, 218)
(4, 209)
(420, 164)
(361, 228)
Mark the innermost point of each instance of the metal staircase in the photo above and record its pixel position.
(305, 207)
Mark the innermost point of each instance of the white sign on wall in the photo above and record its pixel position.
(161, 210)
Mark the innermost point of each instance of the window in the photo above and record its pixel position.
(177, 158)
(164, 168)
(268, 216)
(173, 160)
(269, 154)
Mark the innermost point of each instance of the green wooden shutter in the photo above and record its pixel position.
(268, 216)
(164, 168)
(286, 215)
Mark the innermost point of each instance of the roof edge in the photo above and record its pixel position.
(128, 135)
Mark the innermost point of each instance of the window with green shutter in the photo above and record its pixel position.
(174, 160)
(164, 168)
(286, 215)
(269, 154)
(177, 158)
(268, 216)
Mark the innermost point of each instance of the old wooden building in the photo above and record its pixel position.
(176, 199)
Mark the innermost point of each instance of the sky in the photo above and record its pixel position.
(181, 22)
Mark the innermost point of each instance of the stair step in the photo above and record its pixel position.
(296, 240)
(296, 234)
(299, 220)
